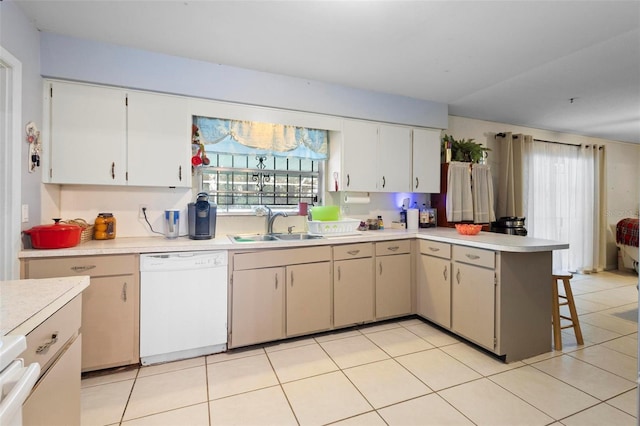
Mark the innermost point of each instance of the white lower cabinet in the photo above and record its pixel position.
(57, 346)
(433, 287)
(257, 310)
(279, 293)
(353, 289)
(456, 288)
(393, 279)
(473, 304)
(308, 298)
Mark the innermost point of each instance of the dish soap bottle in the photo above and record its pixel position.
(380, 223)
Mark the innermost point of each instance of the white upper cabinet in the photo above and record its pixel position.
(426, 161)
(394, 159)
(158, 140)
(359, 142)
(108, 136)
(374, 157)
(87, 135)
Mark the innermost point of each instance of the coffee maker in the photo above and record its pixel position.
(202, 218)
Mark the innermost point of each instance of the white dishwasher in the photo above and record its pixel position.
(183, 305)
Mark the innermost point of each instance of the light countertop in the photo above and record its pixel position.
(25, 304)
(135, 245)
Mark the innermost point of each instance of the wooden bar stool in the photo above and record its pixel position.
(556, 317)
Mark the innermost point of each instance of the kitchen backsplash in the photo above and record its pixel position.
(70, 202)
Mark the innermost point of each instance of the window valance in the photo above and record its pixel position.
(224, 136)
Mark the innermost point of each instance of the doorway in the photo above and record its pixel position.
(10, 170)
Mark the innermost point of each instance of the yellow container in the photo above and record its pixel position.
(325, 213)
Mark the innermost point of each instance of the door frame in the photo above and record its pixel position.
(10, 165)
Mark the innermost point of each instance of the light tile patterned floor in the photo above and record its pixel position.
(404, 372)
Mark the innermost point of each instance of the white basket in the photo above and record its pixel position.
(344, 226)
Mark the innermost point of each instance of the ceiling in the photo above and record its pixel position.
(566, 66)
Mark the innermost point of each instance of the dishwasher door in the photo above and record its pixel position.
(183, 305)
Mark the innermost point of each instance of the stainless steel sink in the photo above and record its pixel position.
(297, 236)
(252, 238)
(255, 238)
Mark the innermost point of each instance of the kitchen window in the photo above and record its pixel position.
(246, 164)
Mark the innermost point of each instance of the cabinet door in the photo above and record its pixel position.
(159, 140)
(434, 289)
(393, 285)
(394, 159)
(473, 303)
(308, 298)
(360, 141)
(426, 161)
(352, 291)
(109, 326)
(257, 309)
(56, 398)
(88, 138)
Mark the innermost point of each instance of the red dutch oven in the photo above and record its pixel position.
(56, 235)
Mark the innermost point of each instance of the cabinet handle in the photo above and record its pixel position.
(113, 170)
(417, 183)
(124, 292)
(180, 173)
(338, 273)
(472, 256)
(43, 348)
(384, 182)
(82, 268)
(434, 249)
(381, 268)
(348, 180)
(353, 252)
(393, 248)
(291, 278)
(458, 276)
(276, 277)
(444, 273)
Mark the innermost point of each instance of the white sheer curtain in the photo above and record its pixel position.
(562, 201)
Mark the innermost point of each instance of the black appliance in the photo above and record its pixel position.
(509, 225)
(202, 218)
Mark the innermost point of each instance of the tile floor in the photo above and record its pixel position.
(404, 372)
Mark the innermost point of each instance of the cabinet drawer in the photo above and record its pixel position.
(352, 251)
(474, 256)
(434, 248)
(272, 258)
(42, 346)
(81, 265)
(393, 247)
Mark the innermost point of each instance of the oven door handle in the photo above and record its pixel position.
(13, 401)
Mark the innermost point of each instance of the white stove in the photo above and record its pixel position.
(16, 380)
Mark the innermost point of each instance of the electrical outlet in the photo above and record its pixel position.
(141, 210)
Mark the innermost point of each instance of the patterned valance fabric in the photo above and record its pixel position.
(224, 136)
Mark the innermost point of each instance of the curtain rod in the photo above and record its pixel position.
(545, 141)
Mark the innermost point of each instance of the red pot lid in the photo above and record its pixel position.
(55, 227)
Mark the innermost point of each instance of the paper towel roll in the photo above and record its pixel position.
(412, 218)
(356, 199)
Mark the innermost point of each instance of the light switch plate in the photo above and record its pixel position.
(25, 213)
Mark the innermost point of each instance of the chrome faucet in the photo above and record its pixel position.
(271, 217)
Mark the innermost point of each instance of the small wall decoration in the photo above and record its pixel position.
(35, 146)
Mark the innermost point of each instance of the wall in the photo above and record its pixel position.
(22, 40)
(622, 167)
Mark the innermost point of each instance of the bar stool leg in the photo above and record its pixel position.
(557, 337)
(573, 311)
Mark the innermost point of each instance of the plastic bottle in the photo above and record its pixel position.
(380, 223)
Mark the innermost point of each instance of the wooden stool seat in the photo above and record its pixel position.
(568, 301)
